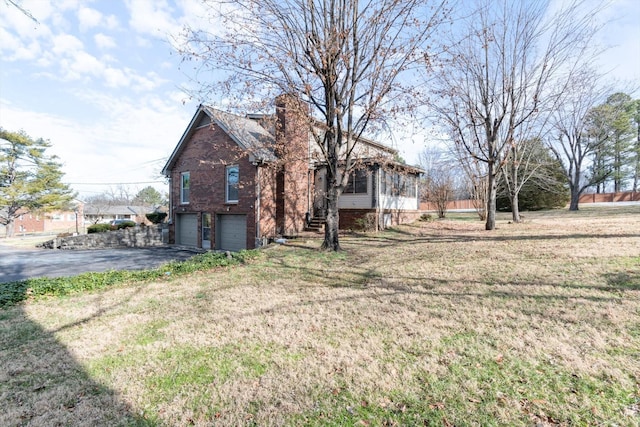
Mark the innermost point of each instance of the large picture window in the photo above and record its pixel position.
(398, 184)
(357, 182)
(232, 180)
(185, 183)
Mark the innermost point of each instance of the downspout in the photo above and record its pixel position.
(309, 203)
(170, 201)
(377, 195)
(258, 190)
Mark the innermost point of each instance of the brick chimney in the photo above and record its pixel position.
(293, 185)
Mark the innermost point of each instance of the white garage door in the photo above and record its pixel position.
(231, 232)
(187, 230)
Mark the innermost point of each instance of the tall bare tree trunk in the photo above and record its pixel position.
(515, 209)
(492, 187)
(514, 186)
(575, 198)
(10, 228)
(331, 241)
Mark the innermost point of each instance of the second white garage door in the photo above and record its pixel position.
(231, 232)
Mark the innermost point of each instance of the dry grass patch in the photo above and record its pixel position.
(437, 323)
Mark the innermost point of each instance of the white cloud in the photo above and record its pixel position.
(104, 42)
(12, 48)
(88, 18)
(116, 78)
(128, 144)
(30, 52)
(111, 22)
(84, 63)
(66, 44)
(151, 18)
(143, 42)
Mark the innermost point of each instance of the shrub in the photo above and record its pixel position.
(123, 224)
(98, 228)
(156, 217)
(426, 217)
(366, 223)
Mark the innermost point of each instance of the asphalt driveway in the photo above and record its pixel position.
(20, 264)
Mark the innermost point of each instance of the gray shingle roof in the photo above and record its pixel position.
(247, 133)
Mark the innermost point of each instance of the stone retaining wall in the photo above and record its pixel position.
(133, 237)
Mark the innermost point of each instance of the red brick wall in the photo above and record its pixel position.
(349, 218)
(205, 157)
(50, 222)
(293, 181)
(28, 223)
(267, 196)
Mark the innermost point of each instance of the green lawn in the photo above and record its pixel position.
(434, 323)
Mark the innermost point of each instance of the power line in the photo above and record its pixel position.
(115, 183)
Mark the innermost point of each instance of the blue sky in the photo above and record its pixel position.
(102, 82)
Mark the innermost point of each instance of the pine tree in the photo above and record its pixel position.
(30, 181)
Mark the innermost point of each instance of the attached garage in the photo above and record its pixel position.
(187, 230)
(231, 232)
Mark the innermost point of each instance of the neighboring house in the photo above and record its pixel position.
(235, 181)
(104, 213)
(48, 222)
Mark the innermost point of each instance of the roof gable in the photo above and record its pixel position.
(247, 133)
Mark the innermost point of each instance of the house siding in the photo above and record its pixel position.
(206, 155)
(358, 201)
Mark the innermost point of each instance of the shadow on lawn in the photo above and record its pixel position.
(41, 382)
(395, 236)
(359, 277)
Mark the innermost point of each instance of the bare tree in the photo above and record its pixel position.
(19, 6)
(439, 179)
(476, 180)
(577, 136)
(523, 162)
(344, 58)
(496, 78)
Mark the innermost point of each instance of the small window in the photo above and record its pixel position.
(357, 182)
(185, 183)
(232, 180)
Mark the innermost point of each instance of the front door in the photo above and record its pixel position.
(206, 231)
(320, 195)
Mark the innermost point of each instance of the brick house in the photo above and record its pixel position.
(28, 222)
(238, 180)
(105, 213)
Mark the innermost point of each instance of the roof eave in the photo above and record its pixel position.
(166, 170)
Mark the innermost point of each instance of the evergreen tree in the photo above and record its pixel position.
(30, 181)
(149, 196)
(621, 132)
(546, 187)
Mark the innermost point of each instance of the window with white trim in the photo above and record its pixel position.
(232, 180)
(185, 184)
(357, 182)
